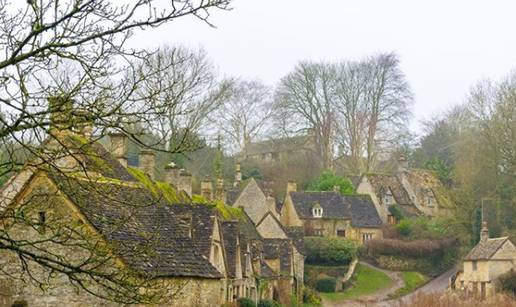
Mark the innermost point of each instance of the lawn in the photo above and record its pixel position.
(367, 281)
(413, 280)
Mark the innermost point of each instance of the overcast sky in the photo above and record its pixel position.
(445, 46)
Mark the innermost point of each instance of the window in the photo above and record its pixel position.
(387, 199)
(317, 212)
(366, 237)
(474, 265)
(318, 232)
(391, 219)
(341, 233)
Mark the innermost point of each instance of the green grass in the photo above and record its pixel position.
(413, 280)
(367, 281)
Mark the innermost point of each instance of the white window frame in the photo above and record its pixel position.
(317, 212)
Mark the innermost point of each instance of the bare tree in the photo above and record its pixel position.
(305, 105)
(243, 117)
(178, 94)
(65, 65)
(388, 99)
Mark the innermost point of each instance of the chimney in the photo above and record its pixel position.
(207, 189)
(146, 161)
(238, 175)
(402, 164)
(484, 232)
(60, 109)
(172, 173)
(291, 186)
(220, 192)
(84, 123)
(118, 141)
(185, 182)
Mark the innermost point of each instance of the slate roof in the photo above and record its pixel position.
(363, 211)
(233, 193)
(279, 249)
(266, 271)
(142, 228)
(382, 182)
(331, 202)
(357, 208)
(96, 158)
(297, 235)
(230, 233)
(484, 250)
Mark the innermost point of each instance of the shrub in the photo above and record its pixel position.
(404, 227)
(326, 284)
(20, 304)
(507, 282)
(311, 297)
(395, 210)
(268, 303)
(330, 251)
(245, 302)
(412, 249)
(327, 180)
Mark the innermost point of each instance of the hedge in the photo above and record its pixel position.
(311, 297)
(245, 302)
(268, 303)
(330, 251)
(326, 284)
(412, 249)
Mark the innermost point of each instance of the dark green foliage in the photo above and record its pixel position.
(328, 180)
(330, 251)
(245, 302)
(507, 282)
(326, 284)
(404, 227)
(396, 212)
(311, 297)
(268, 303)
(443, 171)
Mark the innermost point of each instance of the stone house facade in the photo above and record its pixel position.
(330, 214)
(484, 264)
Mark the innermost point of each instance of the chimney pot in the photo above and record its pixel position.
(118, 143)
(484, 233)
(146, 161)
(291, 186)
(238, 175)
(207, 189)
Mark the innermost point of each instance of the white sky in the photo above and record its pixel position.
(445, 46)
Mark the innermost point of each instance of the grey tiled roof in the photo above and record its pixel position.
(363, 211)
(296, 234)
(357, 208)
(332, 204)
(484, 250)
(230, 233)
(143, 229)
(279, 249)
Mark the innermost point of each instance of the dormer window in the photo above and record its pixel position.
(388, 199)
(317, 211)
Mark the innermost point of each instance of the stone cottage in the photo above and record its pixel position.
(484, 264)
(330, 214)
(92, 212)
(415, 192)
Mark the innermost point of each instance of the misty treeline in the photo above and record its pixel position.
(473, 149)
